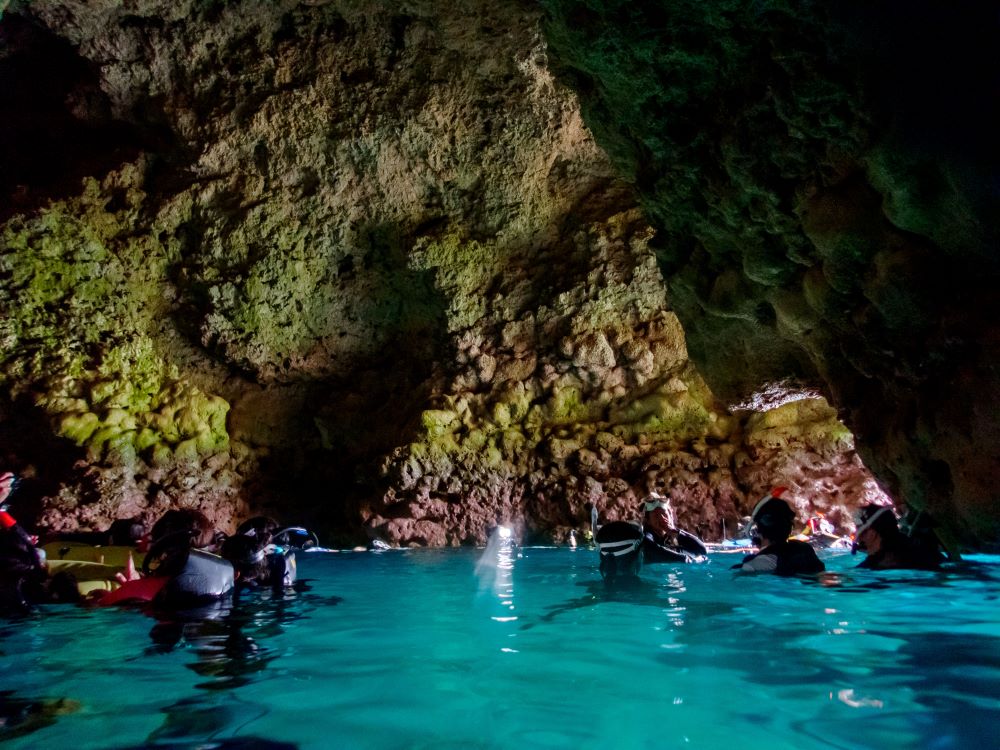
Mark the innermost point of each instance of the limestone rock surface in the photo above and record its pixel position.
(363, 265)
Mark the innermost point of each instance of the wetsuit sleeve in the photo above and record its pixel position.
(690, 543)
(657, 553)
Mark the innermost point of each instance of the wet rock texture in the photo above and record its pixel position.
(363, 265)
(823, 184)
(586, 398)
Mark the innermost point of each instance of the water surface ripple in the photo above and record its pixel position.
(446, 649)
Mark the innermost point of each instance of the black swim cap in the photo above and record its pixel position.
(772, 507)
(881, 517)
(772, 518)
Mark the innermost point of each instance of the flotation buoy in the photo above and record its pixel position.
(95, 568)
(91, 577)
(114, 556)
(139, 590)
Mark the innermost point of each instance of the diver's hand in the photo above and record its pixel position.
(130, 574)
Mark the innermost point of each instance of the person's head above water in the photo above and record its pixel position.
(772, 517)
(657, 514)
(184, 523)
(256, 558)
(125, 531)
(876, 524)
(247, 555)
(889, 544)
(260, 528)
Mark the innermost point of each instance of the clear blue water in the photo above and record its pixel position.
(415, 649)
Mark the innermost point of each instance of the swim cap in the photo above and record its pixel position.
(867, 516)
(772, 504)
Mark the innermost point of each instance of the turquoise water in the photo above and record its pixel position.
(419, 649)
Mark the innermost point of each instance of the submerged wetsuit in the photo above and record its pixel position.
(787, 558)
(903, 554)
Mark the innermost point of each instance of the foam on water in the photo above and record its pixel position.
(525, 648)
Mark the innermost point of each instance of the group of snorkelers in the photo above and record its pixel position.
(185, 562)
(624, 546)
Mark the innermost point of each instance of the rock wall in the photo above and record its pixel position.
(586, 398)
(822, 179)
(359, 264)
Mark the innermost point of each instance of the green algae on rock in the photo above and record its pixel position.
(86, 283)
(372, 270)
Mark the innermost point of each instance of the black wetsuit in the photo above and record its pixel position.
(902, 554)
(787, 558)
(683, 548)
(652, 552)
(22, 576)
(619, 543)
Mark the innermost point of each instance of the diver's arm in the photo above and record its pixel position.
(690, 543)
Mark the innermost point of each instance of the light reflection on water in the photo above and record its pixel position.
(454, 648)
(495, 569)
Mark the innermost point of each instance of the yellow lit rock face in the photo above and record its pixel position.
(364, 265)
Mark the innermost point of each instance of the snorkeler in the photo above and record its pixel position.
(186, 525)
(619, 544)
(771, 521)
(24, 578)
(177, 571)
(257, 556)
(888, 548)
(662, 540)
